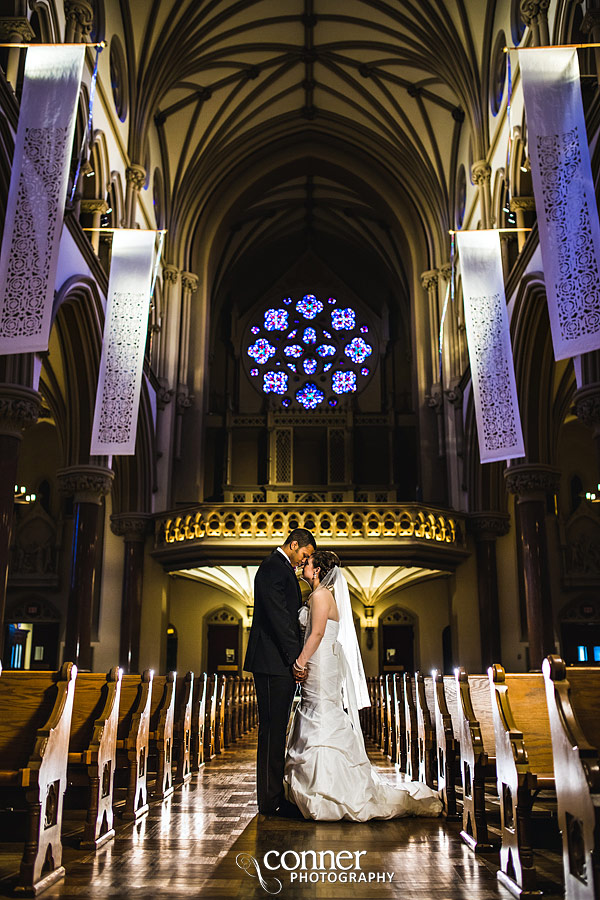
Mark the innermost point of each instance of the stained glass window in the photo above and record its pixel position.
(310, 396)
(261, 351)
(319, 361)
(276, 319)
(309, 306)
(275, 382)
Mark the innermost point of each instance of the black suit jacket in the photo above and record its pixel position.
(274, 641)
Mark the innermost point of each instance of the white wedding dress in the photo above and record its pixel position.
(327, 771)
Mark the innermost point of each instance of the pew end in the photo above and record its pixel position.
(182, 729)
(133, 743)
(162, 716)
(573, 698)
(447, 741)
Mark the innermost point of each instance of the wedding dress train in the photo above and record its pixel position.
(328, 774)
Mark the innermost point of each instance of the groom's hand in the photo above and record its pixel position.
(300, 674)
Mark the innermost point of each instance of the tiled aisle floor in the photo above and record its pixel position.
(188, 846)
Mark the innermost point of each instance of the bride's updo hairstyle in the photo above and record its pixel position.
(325, 560)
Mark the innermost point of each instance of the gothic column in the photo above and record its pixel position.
(531, 484)
(486, 527)
(189, 286)
(535, 15)
(481, 174)
(95, 208)
(15, 30)
(591, 26)
(136, 178)
(87, 484)
(429, 282)
(79, 15)
(133, 527)
(521, 205)
(587, 409)
(19, 408)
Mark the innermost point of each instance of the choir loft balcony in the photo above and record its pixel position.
(208, 534)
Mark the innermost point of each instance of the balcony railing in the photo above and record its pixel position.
(378, 532)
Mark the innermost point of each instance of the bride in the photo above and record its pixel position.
(327, 771)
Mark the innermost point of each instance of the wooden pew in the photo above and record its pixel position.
(524, 766)
(410, 725)
(198, 719)
(383, 736)
(426, 729)
(93, 753)
(210, 719)
(477, 738)
(399, 721)
(133, 742)
(447, 728)
(230, 711)
(220, 713)
(389, 724)
(182, 728)
(236, 714)
(162, 716)
(573, 698)
(35, 711)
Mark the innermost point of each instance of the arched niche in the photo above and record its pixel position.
(222, 644)
(398, 640)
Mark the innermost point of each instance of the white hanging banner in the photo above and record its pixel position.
(37, 194)
(490, 352)
(565, 198)
(125, 331)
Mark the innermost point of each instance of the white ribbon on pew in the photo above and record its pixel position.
(36, 197)
(565, 198)
(490, 352)
(125, 331)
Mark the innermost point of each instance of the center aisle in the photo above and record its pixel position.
(188, 845)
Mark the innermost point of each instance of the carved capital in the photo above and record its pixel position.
(94, 206)
(85, 483)
(429, 279)
(19, 408)
(481, 172)
(591, 20)
(446, 271)
(16, 29)
(454, 395)
(136, 176)
(132, 526)
(587, 406)
(81, 14)
(170, 273)
(487, 526)
(435, 399)
(189, 282)
(525, 203)
(531, 10)
(184, 401)
(531, 482)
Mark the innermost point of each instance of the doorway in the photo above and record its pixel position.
(397, 642)
(223, 643)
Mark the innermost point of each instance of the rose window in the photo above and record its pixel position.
(309, 352)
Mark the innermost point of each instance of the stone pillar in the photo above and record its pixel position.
(189, 284)
(19, 408)
(435, 401)
(136, 178)
(531, 484)
(535, 15)
(87, 484)
(429, 282)
(169, 324)
(587, 409)
(485, 528)
(95, 208)
(591, 26)
(521, 205)
(15, 30)
(481, 174)
(79, 16)
(133, 527)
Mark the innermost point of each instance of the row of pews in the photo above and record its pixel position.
(515, 756)
(105, 744)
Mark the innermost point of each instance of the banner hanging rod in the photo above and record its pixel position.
(475, 230)
(155, 230)
(101, 44)
(553, 47)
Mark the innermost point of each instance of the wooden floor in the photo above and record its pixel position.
(188, 846)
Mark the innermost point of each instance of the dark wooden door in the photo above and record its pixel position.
(397, 648)
(223, 648)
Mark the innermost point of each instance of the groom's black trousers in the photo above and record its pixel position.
(274, 695)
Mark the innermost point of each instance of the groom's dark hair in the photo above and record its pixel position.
(303, 536)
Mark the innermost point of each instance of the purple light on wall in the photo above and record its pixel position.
(261, 351)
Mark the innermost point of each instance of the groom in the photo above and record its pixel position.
(273, 647)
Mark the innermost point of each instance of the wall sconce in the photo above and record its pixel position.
(21, 495)
(370, 627)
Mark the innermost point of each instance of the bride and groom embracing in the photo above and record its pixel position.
(324, 773)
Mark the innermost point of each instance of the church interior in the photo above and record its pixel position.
(306, 165)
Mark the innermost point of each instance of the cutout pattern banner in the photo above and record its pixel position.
(37, 193)
(490, 352)
(125, 332)
(565, 197)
